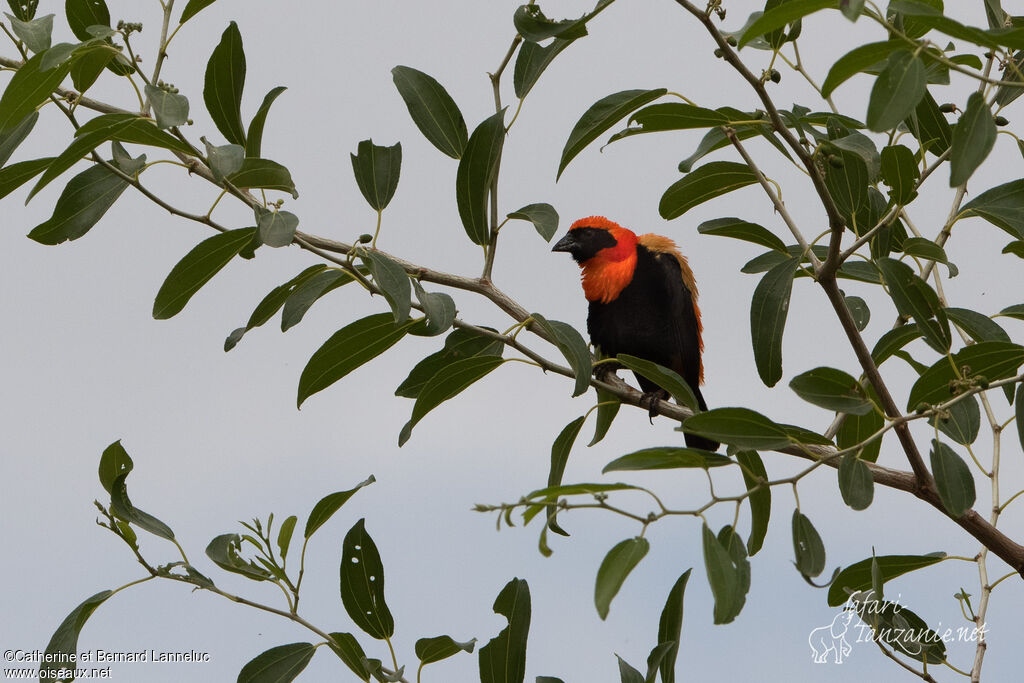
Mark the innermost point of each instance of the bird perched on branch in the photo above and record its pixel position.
(643, 302)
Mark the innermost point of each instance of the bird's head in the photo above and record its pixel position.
(607, 253)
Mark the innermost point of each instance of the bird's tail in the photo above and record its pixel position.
(695, 440)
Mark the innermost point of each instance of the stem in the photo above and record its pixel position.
(492, 245)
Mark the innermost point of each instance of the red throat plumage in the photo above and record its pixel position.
(611, 270)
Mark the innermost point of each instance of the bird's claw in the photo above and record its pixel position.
(650, 399)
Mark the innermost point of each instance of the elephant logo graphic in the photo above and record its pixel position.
(831, 638)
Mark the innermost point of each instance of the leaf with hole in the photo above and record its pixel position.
(807, 545)
(362, 584)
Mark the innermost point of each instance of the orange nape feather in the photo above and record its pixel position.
(611, 270)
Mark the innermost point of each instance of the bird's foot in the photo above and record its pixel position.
(650, 400)
(603, 371)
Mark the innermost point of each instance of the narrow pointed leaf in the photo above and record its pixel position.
(573, 347)
(80, 206)
(533, 59)
(742, 230)
(614, 569)
(475, 175)
(740, 427)
(666, 458)
(254, 135)
(807, 545)
(329, 504)
(503, 658)
(973, 139)
(10, 140)
(724, 578)
(666, 378)
(377, 169)
(543, 216)
(979, 327)
(913, 296)
(702, 184)
(350, 652)
(760, 500)
(894, 340)
(857, 577)
(308, 293)
(856, 61)
(929, 126)
(279, 664)
(607, 408)
(347, 349)
(601, 116)
(225, 80)
(560, 449)
(362, 584)
(953, 479)
(627, 674)
(284, 535)
(782, 14)
(14, 176)
(458, 345)
(64, 642)
(768, 310)
(1003, 206)
(456, 377)
(896, 92)
(194, 7)
(670, 627)
(432, 109)
(196, 269)
(273, 301)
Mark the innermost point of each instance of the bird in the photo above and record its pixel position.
(642, 302)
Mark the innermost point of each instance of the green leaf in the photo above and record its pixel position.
(224, 160)
(963, 423)
(914, 297)
(439, 309)
(82, 14)
(376, 169)
(573, 347)
(265, 174)
(10, 140)
(63, 644)
(920, 17)
(670, 628)
(807, 545)
(309, 292)
(896, 92)
(614, 569)
(851, 9)
(627, 674)
(35, 33)
(532, 61)
(114, 463)
(87, 138)
(329, 504)
(973, 139)
(953, 479)
(125, 162)
(739, 427)
(80, 206)
(831, 389)
(1003, 206)
(857, 428)
(924, 248)
(725, 577)
(1019, 414)
(171, 109)
(608, 405)
(929, 126)
(707, 182)
(503, 658)
(277, 228)
(1015, 311)
(88, 65)
(777, 17)
(14, 176)
(123, 509)
(430, 650)
(560, 449)
(347, 349)
(349, 651)
(543, 216)
(666, 378)
(144, 132)
(362, 584)
(760, 500)
(900, 172)
(855, 482)
(666, 458)
(717, 139)
(532, 25)
(196, 269)
(993, 360)
(393, 282)
(254, 136)
(432, 109)
(979, 327)
(863, 147)
(740, 229)
(225, 80)
(857, 577)
(458, 345)
(279, 664)
(848, 183)
(225, 552)
(667, 116)
(1016, 248)
(859, 311)
(601, 116)
(894, 340)
(768, 311)
(194, 7)
(457, 376)
(475, 175)
(284, 535)
(24, 9)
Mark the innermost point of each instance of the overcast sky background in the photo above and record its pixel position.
(216, 437)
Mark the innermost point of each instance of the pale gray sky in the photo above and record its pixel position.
(216, 436)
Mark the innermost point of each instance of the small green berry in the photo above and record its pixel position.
(365, 238)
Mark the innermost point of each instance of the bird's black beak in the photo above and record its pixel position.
(567, 243)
